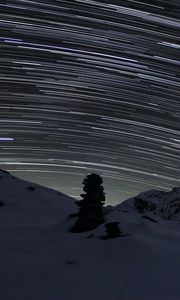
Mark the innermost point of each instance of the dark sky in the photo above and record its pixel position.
(91, 86)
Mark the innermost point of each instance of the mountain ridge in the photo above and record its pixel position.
(155, 203)
(160, 203)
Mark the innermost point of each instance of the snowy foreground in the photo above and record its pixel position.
(41, 260)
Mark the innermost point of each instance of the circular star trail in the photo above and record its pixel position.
(91, 86)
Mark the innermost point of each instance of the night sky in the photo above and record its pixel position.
(91, 86)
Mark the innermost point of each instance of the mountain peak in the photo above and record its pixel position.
(160, 203)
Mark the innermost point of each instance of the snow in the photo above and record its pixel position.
(41, 259)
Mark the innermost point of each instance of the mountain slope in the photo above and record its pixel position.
(158, 203)
(30, 205)
(40, 259)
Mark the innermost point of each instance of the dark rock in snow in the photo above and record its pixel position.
(31, 188)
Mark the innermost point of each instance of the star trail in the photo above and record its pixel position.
(91, 86)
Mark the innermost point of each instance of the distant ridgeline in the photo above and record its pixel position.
(163, 204)
(92, 214)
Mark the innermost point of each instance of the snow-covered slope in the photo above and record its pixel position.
(158, 203)
(41, 259)
(30, 205)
